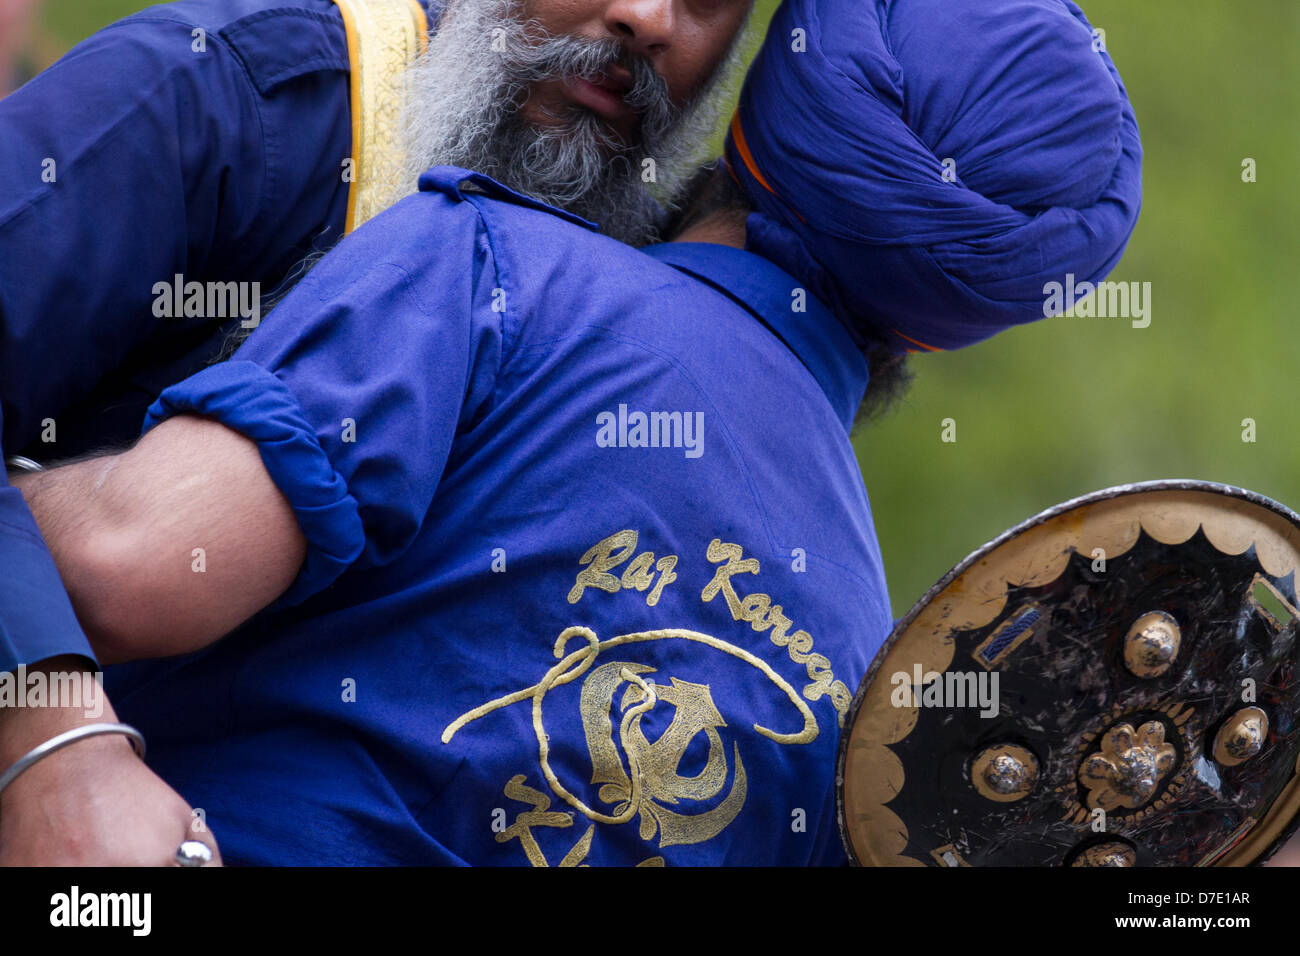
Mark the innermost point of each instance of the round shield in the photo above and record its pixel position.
(1114, 682)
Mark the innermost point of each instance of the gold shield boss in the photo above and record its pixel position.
(1113, 682)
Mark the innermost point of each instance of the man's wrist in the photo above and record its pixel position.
(72, 697)
(52, 696)
(66, 739)
(67, 771)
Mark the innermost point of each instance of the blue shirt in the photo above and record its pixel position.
(591, 572)
(204, 139)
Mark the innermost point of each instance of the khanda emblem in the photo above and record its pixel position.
(639, 777)
(658, 763)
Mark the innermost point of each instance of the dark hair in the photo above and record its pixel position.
(713, 189)
(891, 377)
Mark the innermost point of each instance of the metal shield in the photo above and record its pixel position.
(1113, 682)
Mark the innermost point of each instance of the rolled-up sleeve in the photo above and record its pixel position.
(249, 399)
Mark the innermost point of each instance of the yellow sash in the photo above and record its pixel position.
(384, 37)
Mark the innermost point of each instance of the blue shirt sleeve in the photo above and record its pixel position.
(357, 384)
(201, 139)
(36, 616)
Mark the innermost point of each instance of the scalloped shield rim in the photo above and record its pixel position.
(1291, 795)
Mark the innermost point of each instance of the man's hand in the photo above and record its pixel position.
(91, 803)
(94, 803)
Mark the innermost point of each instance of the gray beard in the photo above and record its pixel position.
(463, 102)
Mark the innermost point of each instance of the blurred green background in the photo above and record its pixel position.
(1069, 405)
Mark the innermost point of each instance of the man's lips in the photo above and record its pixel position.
(604, 96)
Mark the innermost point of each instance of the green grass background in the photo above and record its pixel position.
(1065, 406)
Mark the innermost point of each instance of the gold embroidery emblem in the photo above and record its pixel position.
(658, 762)
(651, 782)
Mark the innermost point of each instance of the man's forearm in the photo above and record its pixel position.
(75, 514)
(166, 547)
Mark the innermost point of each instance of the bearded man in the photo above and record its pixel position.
(216, 142)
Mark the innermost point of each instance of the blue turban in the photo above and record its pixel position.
(926, 167)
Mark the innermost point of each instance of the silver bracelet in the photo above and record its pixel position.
(20, 463)
(67, 737)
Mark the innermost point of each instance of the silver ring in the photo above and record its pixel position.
(193, 853)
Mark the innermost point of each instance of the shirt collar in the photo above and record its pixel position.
(817, 338)
(465, 183)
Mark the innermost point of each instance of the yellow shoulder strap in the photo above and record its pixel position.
(384, 37)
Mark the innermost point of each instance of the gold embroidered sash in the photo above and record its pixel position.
(384, 37)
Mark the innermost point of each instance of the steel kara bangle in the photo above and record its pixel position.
(19, 463)
(67, 737)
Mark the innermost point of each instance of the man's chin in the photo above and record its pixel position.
(611, 140)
